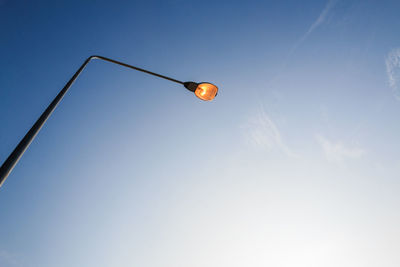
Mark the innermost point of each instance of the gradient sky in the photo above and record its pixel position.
(295, 163)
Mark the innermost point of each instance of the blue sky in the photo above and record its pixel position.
(295, 163)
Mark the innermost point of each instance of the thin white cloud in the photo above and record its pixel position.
(337, 151)
(261, 132)
(393, 71)
(321, 19)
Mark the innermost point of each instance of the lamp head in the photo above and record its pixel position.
(205, 91)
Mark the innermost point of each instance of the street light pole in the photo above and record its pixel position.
(205, 91)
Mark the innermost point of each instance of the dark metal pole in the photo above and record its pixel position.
(13, 158)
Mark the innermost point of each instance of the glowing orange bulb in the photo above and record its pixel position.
(206, 91)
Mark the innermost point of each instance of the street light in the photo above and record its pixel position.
(204, 91)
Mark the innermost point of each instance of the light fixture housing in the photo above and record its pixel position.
(205, 91)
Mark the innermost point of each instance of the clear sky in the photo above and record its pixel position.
(295, 163)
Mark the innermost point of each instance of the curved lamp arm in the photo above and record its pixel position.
(19, 150)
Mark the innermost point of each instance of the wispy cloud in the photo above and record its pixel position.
(320, 20)
(260, 131)
(393, 71)
(337, 151)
